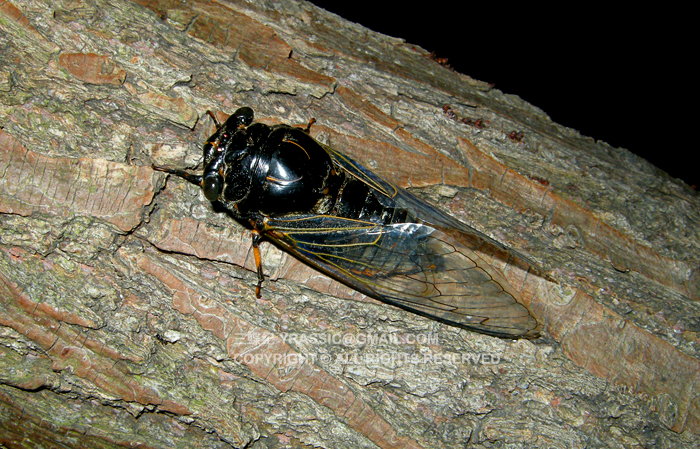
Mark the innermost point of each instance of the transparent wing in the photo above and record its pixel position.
(410, 265)
(397, 197)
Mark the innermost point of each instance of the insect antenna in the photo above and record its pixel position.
(194, 179)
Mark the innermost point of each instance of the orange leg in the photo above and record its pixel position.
(257, 238)
(308, 127)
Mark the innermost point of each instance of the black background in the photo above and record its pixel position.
(620, 76)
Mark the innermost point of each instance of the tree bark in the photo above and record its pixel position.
(128, 311)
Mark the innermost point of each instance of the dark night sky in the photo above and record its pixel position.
(620, 77)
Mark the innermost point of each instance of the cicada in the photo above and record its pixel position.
(342, 219)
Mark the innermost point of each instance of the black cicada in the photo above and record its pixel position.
(347, 222)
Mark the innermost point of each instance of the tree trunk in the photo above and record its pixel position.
(128, 313)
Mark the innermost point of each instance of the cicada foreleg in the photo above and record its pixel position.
(307, 129)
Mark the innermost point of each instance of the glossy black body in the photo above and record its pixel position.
(341, 218)
(273, 171)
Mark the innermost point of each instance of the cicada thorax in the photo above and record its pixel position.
(275, 170)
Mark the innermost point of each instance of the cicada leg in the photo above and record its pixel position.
(257, 238)
(307, 130)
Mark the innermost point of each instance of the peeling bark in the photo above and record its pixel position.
(127, 311)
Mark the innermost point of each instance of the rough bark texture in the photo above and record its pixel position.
(127, 310)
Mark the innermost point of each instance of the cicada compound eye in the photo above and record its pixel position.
(212, 185)
(243, 116)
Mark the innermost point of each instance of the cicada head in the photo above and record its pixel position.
(234, 160)
(225, 175)
(224, 133)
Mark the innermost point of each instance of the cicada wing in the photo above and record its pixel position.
(421, 210)
(410, 265)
